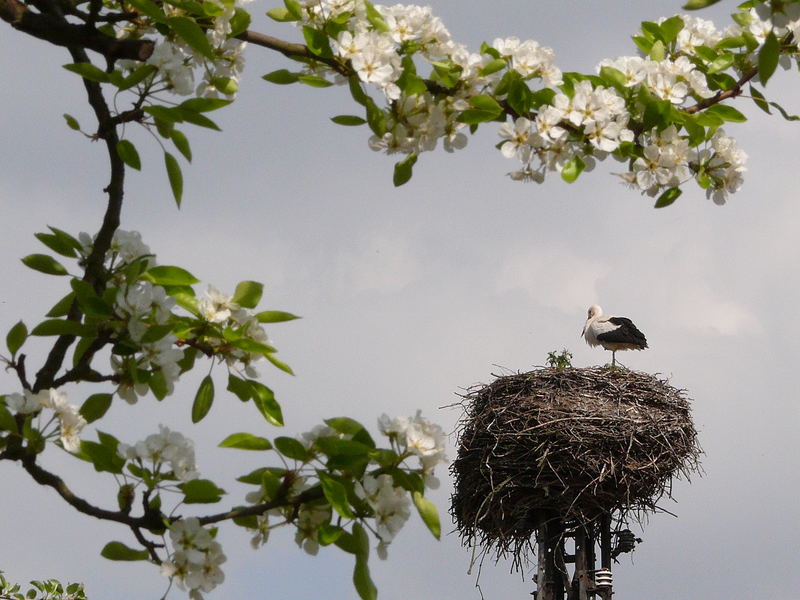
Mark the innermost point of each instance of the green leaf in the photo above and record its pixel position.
(44, 264)
(613, 77)
(768, 58)
(168, 275)
(328, 534)
(88, 71)
(572, 169)
(204, 104)
(294, 7)
(60, 327)
(498, 64)
(783, 112)
(726, 113)
(281, 15)
(375, 19)
(61, 308)
(344, 425)
(291, 448)
(361, 578)
(139, 75)
(281, 77)
(65, 241)
(671, 28)
(119, 551)
(164, 113)
(192, 34)
(15, 337)
(520, 98)
(698, 4)
(203, 399)
(72, 122)
(658, 51)
(275, 316)
(181, 143)
(175, 176)
(668, 197)
(430, 515)
(128, 154)
(7, 421)
(201, 491)
(334, 446)
(95, 406)
(248, 293)
(652, 30)
(239, 387)
(251, 346)
(376, 118)
(264, 399)
(314, 81)
(348, 120)
(644, 44)
(103, 458)
(279, 363)
(155, 333)
(158, 385)
(760, 100)
(57, 244)
(196, 118)
(240, 22)
(403, 170)
(656, 114)
(226, 85)
(356, 91)
(445, 73)
(473, 116)
(245, 441)
(721, 63)
(697, 133)
(150, 9)
(335, 493)
(409, 82)
(486, 102)
(317, 42)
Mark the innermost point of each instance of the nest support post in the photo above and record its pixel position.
(586, 583)
(551, 569)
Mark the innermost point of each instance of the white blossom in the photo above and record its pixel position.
(166, 447)
(216, 307)
(391, 504)
(196, 558)
(27, 402)
(309, 520)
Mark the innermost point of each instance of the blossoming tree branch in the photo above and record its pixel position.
(165, 65)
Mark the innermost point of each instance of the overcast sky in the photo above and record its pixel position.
(410, 295)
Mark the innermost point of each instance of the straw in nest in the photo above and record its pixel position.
(572, 444)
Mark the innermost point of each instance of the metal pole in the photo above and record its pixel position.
(605, 553)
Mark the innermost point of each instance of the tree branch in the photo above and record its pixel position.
(95, 272)
(291, 50)
(56, 30)
(44, 477)
(720, 96)
(311, 494)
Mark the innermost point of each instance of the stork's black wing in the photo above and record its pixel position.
(625, 333)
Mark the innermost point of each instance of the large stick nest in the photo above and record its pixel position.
(571, 444)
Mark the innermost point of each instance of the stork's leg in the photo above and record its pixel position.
(613, 358)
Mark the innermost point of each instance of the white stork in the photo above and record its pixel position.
(612, 333)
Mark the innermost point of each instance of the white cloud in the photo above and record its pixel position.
(698, 307)
(383, 263)
(553, 277)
